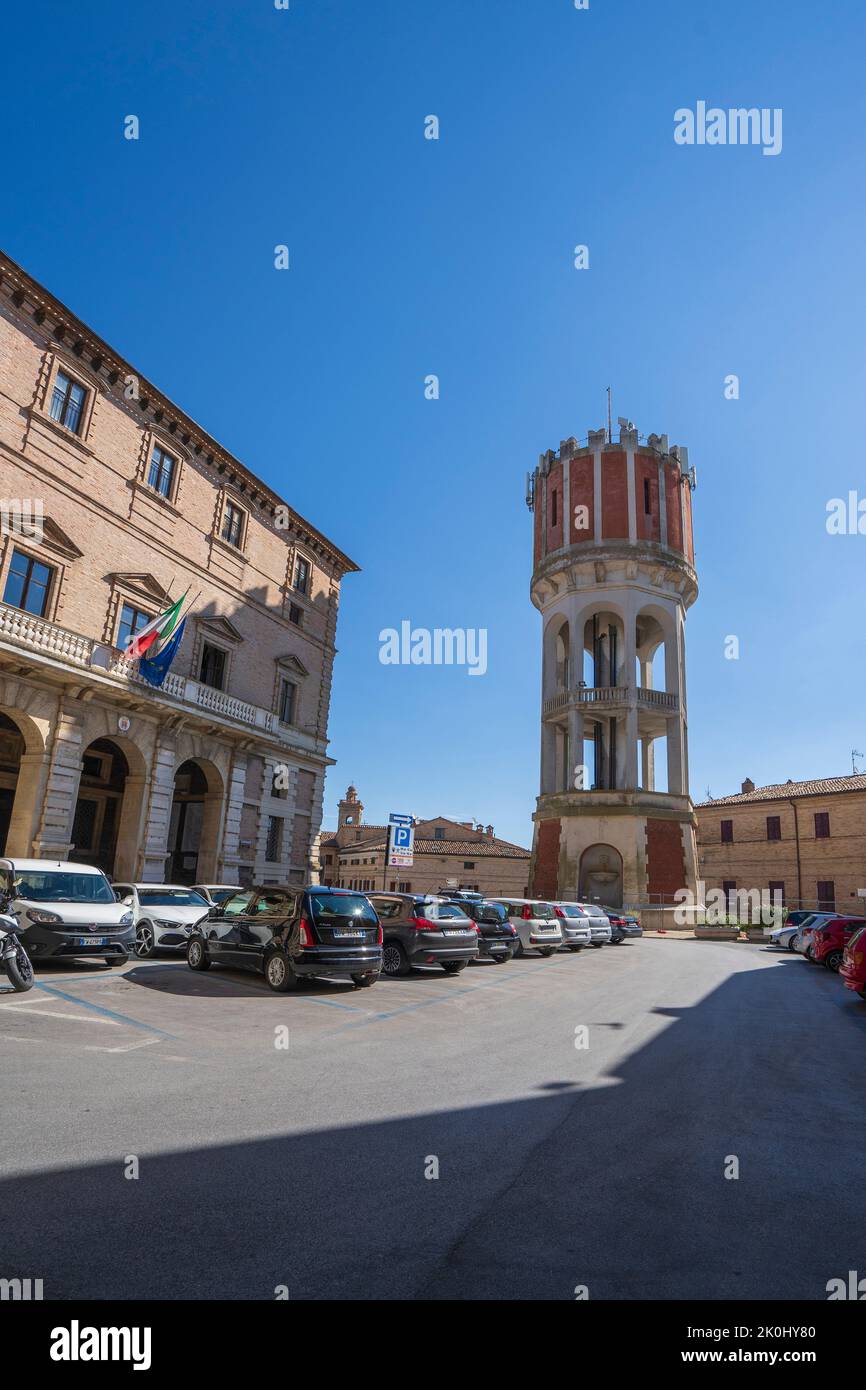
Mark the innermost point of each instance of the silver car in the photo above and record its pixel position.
(599, 924)
(575, 926)
(537, 924)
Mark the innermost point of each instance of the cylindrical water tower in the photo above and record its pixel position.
(613, 576)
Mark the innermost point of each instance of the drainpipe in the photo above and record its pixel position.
(793, 804)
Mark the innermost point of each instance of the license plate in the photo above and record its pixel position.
(455, 931)
(349, 933)
(92, 941)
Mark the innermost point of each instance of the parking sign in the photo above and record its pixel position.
(401, 841)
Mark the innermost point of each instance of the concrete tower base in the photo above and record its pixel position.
(626, 849)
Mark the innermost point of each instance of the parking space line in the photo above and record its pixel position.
(109, 1014)
(49, 1013)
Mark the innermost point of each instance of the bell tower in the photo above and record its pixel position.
(350, 810)
(613, 578)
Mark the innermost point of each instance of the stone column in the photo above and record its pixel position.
(54, 837)
(575, 736)
(648, 763)
(231, 850)
(548, 757)
(155, 852)
(129, 852)
(630, 750)
(29, 792)
(675, 755)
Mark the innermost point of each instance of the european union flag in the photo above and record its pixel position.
(155, 669)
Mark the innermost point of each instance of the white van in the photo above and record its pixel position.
(66, 910)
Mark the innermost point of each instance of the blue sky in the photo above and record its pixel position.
(410, 257)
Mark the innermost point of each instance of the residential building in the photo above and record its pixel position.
(804, 841)
(114, 503)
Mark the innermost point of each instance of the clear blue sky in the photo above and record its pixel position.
(411, 257)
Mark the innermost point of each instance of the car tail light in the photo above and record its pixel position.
(305, 934)
(477, 929)
(526, 914)
(559, 912)
(379, 937)
(422, 924)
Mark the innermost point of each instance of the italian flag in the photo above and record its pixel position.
(156, 631)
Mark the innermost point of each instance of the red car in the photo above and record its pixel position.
(830, 939)
(853, 967)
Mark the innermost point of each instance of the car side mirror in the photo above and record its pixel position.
(217, 912)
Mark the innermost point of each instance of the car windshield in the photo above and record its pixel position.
(47, 886)
(327, 907)
(857, 938)
(490, 912)
(572, 910)
(542, 910)
(171, 897)
(221, 895)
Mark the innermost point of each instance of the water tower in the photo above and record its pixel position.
(613, 577)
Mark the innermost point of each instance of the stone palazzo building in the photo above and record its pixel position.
(113, 503)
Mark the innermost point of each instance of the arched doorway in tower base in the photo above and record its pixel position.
(601, 875)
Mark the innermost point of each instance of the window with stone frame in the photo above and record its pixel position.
(68, 399)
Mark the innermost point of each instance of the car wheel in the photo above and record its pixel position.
(145, 940)
(518, 950)
(363, 981)
(110, 961)
(197, 957)
(394, 960)
(834, 960)
(546, 950)
(453, 967)
(279, 973)
(501, 957)
(791, 940)
(596, 945)
(575, 949)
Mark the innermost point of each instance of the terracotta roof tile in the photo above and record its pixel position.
(781, 791)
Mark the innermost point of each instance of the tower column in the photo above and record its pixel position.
(630, 751)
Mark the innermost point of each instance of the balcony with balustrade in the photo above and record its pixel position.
(68, 655)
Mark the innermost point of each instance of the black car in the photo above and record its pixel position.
(623, 925)
(497, 938)
(290, 933)
(423, 929)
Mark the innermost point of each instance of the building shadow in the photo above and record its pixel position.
(618, 1186)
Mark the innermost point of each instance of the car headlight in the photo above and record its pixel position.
(167, 926)
(37, 915)
(126, 920)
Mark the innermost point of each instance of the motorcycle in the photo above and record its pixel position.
(16, 961)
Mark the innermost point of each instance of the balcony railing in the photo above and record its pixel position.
(608, 695)
(34, 634)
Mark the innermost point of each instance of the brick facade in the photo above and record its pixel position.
(114, 538)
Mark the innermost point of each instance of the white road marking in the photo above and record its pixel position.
(130, 1047)
(43, 1013)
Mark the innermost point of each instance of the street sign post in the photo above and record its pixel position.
(400, 848)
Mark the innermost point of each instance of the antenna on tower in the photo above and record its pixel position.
(854, 768)
(530, 491)
(609, 419)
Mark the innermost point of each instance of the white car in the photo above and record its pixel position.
(215, 894)
(537, 924)
(574, 921)
(164, 914)
(66, 910)
(803, 939)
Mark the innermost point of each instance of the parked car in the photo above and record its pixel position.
(853, 967)
(497, 938)
(423, 929)
(217, 893)
(599, 925)
(803, 939)
(830, 938)
(537, 925)
(574, 924)
(290, 933)
(66, 910)
(164, 914)
(785, 938)
(623, 925)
